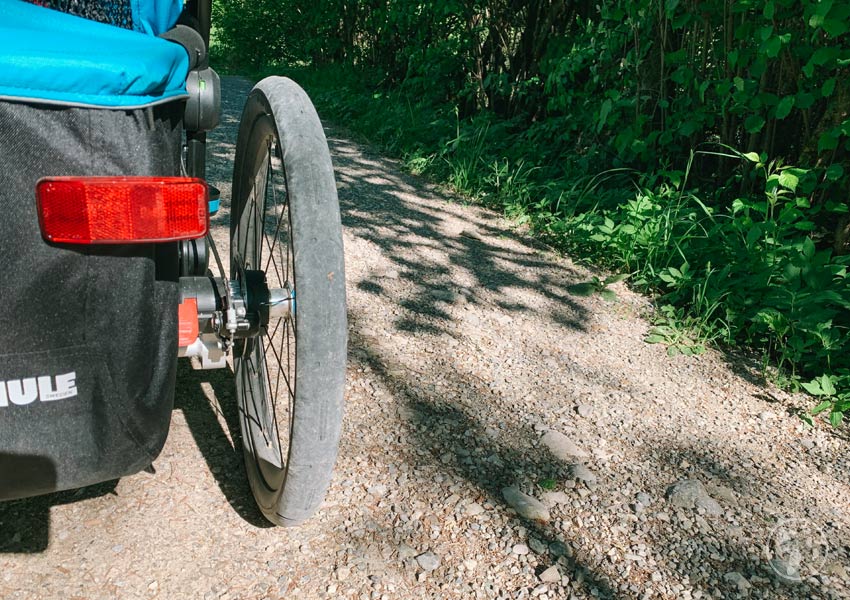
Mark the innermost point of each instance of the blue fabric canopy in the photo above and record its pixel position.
(48, 56)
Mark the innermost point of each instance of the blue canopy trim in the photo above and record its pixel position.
(52, 57)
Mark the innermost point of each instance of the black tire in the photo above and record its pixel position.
(282, 154)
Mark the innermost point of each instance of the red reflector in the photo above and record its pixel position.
(121, 210)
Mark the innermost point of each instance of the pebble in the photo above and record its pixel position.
(428, 561)
(561, 446)
(526, 506)
(553, 499)
(559, 549)
(550, 575)
(520, 549)
(474, 509)
(690, 493)
(537, 546)
(738, 580)
(784, 571)
(584, 410)
(580, 472)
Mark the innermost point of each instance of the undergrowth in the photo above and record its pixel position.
(724, 268)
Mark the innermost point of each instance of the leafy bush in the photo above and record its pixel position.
(609, 126)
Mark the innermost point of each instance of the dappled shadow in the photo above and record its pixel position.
(428, 240)
(470, 436)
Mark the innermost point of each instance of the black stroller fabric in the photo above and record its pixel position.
(88, 334)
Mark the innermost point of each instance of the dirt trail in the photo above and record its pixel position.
(473, 368)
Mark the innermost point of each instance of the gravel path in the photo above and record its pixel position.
(504, 438)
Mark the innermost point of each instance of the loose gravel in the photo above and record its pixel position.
(504, 438)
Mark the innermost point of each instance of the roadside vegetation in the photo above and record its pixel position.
(697, 147)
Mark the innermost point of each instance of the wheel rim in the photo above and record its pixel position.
(265, 365)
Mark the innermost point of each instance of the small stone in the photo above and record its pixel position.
(580, 472)
(836, 569)
(584, 410)
(559, 549)
(526, 506)
(738, 580)
(553, 499)
(550, 575)
(561, 446)
(379, 489)
(785, 571)
(537, 546)
(342, 573)
(428, 561)
(690, 493)
(766, 415)
(520, 549)
(405, 551)
(643, 498)
(474, 509)
(470, 564)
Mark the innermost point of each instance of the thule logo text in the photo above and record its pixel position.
(46, 388)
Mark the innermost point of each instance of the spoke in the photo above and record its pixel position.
(282, 372)
(278, 214)
(271, 245)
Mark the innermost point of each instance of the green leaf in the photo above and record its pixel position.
(834, 172)
(769, 10)
(835, 418)
(789, 180)
(608, 295)
(823, 56)
(826, 385)
(809, 252)
(813, 387)
(821, 407)
(804, 100)
(754, 123)
(772, 47)
(604, 111)
(654, 338)
(835, 27)
(828, 141)
(752, 157)
(828, 87)
(548, 483)
(616, 278)
(739, 84)
(784, 107)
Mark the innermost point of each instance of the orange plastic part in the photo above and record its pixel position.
(187, 322)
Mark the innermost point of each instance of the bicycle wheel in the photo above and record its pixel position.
(286, 243)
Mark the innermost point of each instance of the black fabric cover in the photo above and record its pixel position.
(111, 12)
(104, 313)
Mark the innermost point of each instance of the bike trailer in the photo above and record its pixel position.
(106, 276)
(88, 332)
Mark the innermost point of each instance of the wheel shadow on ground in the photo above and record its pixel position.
(207, 399)
(447, 430)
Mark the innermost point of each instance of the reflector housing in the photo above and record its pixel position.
(121, 210)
